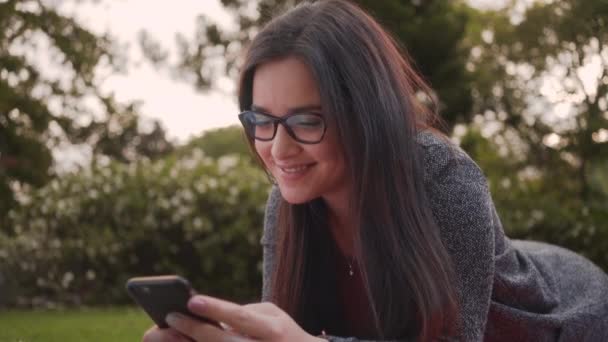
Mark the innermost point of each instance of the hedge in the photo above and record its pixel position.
(77, 240)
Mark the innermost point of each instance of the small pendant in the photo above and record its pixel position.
(350, 270)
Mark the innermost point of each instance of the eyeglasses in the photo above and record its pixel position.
(303, 127)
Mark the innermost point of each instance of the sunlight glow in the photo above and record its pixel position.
(601, 136)
(183, 111)
(551, 140)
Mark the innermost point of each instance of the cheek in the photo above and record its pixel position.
(331, 148)
(263, 150)
(331, 152)
(335, 158)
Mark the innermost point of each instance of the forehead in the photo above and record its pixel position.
(284, 84)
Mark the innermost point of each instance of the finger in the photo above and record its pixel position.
(240, 318)
(266, 308)
(155, 334)
(200, 331)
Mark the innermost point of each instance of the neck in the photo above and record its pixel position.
(341, 223)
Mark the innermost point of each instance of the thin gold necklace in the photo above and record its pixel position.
(350, 262)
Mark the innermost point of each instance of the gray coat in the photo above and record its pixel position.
(509, 290)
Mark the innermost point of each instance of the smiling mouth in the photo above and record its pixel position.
(296, 168)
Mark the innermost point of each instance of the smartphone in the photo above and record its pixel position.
(161, 295)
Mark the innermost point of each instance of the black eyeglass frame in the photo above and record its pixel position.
(281, 120)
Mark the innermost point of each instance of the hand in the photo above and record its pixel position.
(252, 322)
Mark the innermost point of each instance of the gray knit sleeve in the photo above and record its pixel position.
(269, 241)
(463, 209)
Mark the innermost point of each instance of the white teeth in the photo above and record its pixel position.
(295, 169)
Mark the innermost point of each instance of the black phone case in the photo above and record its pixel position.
(161, 295)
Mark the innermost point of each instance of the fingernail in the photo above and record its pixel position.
(197, 303)
(173, 317)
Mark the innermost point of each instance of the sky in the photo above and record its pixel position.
(182, 111)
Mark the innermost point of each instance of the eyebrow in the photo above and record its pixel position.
(298, 109)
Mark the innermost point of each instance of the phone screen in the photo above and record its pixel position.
(161, 295)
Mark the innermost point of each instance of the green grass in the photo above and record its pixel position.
(112, 324)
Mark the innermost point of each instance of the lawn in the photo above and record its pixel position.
(113, 324)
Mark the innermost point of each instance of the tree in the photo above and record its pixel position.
(220, 142)
(433, 33)
(541, 88)
(529, 70)
(48, 66)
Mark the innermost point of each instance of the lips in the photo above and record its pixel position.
(295, 168)
(294, 171)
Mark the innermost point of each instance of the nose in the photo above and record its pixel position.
(283, 145)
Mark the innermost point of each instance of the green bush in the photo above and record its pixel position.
(77, 240)
(544, 203)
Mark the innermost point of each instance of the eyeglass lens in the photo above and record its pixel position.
(306, 127)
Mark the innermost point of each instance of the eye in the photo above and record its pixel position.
(306, 121)
(258, 120)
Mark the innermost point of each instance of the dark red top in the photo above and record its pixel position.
(352, 299)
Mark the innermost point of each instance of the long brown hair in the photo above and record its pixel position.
(378, 103)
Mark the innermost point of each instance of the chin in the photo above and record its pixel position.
(293, 196)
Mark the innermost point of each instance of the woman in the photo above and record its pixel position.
(378, 227)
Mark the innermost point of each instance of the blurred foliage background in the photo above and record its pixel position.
(523, 89)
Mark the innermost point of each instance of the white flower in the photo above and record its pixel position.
(197, 223)
(189, 163)
(163, 203)
(68, 277)
(93, 194)
(55, 243)
(187, 195)
(149, 220)
(198, 154)
(225, 163)
(538, 214)
(90, 275)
